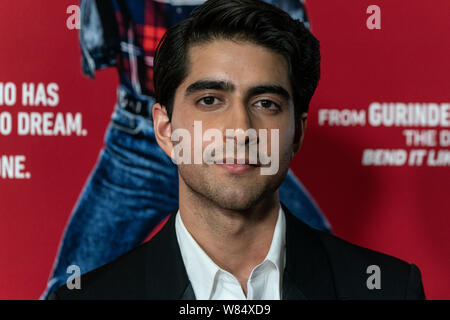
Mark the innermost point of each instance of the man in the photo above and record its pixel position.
(121, 202)
(239, 65)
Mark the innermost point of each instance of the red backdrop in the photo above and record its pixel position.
(400, 210)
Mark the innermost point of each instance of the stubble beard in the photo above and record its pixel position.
(227, 191)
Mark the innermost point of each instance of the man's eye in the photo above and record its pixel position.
(267, 104)
(208, 101)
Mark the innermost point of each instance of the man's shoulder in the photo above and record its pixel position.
(362, 273)
(347, 252)
(153, 270)
(118, 279)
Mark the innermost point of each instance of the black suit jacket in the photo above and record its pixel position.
(318, 266)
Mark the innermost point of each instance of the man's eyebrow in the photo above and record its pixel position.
(275, 89)
(229, 87)
(209, 85)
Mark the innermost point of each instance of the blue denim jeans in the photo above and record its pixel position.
(132, 188)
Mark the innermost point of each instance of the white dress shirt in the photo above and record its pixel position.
(210, 282)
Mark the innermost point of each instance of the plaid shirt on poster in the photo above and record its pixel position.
(125, 34)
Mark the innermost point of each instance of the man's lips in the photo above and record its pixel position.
(237, 168)
(232, 166)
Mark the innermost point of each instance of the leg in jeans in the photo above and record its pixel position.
(132, 188)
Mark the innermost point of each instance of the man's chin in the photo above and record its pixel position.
(235, 205)
(237, 198)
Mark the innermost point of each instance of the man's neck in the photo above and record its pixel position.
(236, 241)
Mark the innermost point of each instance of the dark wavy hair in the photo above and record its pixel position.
(254, 21)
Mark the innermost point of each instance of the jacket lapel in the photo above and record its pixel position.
(307, 273)
(166, 276)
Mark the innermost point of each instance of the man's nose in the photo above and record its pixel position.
(239, 120)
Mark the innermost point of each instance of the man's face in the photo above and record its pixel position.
(235, 85)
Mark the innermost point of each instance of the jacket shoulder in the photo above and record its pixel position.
(361, 273)
(153, 270)
(119, 279)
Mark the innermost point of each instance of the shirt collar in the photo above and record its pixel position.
(276, 253)
(202, 270)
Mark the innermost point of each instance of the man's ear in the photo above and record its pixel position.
(299, 133)
(162, 128)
